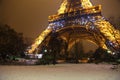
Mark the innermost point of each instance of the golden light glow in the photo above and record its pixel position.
(39, 40)
(108, 30)
(65, 6)
(62, 7)
(84, 7)
(86, 3)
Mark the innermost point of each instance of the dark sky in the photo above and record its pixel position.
(31, 16)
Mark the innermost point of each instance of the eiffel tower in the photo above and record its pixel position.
(79, 19)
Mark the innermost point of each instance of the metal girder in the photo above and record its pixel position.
(80, 19)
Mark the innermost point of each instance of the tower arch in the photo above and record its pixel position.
(80, 19)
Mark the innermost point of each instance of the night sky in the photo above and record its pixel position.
(31, 16)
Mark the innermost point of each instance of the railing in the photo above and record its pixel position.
(80, 12)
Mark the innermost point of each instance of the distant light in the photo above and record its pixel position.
(88, 58)
(108, 51)
(45, 50)
(39, 56)
(113, 53)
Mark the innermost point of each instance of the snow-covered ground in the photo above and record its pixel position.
(60, 72)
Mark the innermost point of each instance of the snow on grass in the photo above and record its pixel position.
(60, 72)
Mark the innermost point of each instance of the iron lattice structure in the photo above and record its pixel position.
(81, 18)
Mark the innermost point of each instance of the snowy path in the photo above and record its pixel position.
(60, 72)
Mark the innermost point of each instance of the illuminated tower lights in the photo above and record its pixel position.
(82, 13)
